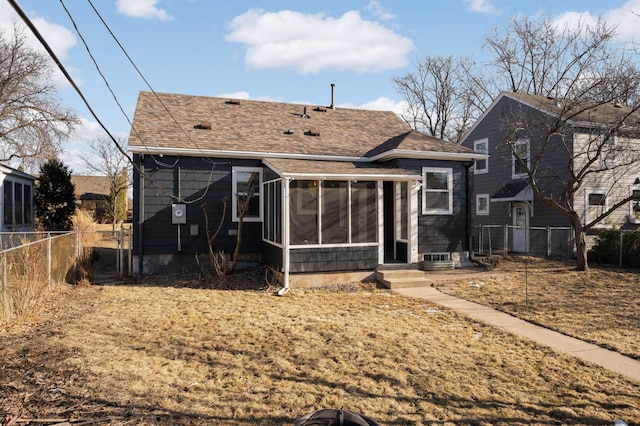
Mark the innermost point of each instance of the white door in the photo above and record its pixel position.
(520, 215)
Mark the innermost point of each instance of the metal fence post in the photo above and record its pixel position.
(4, 275)
(621, 240)
(505, 241)
(548, 241)
(119, 267)
(49, 259)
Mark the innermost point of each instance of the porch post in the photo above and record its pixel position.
(412, 211)
(286, 230)
(380, 222)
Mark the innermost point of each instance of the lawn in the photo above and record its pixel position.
(601, 306)
(171, 351)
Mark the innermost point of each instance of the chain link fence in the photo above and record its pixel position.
(503, 240)
(32, 264)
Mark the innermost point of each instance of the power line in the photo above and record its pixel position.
(16, 7)
(142, 77)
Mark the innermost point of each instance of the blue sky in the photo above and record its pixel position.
(281, 50)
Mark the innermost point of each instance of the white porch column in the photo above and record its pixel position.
(286, 230)
(412, 210)
(380, 222)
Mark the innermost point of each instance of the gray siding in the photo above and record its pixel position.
(443, 233)
(494, 127)
(330, 259)
(196, 181)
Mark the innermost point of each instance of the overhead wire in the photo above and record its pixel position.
(143, 78)
(59, 64)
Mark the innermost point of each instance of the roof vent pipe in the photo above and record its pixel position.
(332, 87)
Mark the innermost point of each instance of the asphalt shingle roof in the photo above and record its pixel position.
(166, 121)
(584, 112)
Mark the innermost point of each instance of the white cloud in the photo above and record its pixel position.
(381, 104)
(481, 6)
(375, 8)
(626, 18)
(59, 39)
(142, 9)
(235, 95)
(314, 43)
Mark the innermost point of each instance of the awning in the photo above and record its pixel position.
(514, 191)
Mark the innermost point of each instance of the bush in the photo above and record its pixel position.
(606, 250)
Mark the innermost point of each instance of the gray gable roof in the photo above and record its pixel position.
(210, 126)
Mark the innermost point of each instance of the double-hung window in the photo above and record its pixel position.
(247, 184)
(482, 204)
(437, 190)
(520, 159)
(481, 146)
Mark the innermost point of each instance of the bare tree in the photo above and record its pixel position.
(592, 87)
(583, 68)
(32, 121)
(573, 146)
(436, 99)
(107, 160)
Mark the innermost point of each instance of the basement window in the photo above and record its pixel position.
(437, 257)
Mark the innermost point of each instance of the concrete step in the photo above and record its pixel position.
(402, 278)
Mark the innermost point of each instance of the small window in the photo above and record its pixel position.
(436, 257)
(596, 204)
(481, 146)
(520, 160)
(247, 184)
(482, 204)
(437, 190)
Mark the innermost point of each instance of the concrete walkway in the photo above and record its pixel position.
(610, 360)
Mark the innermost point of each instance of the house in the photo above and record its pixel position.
(556, 137)
(16, 202)
(330, 190)
(92, 194)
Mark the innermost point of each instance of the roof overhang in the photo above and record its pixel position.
(385, 156)
(256, 155)
(318, 170)
(516, 191)
(428, 155)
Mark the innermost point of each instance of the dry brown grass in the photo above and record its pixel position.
(172, 353)
(601, 306)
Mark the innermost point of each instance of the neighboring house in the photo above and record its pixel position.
(335, 189)
(16, 208)
(502, 193)
(92, 195)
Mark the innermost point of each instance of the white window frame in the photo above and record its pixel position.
(481, 212)
(587, 206)
(449, 173)
(515, 175)
(485, 169)
(234, 191)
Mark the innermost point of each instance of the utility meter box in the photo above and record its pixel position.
(178, 214)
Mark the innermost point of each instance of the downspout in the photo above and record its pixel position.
(285, 236)
(469, 231)
(141, 218)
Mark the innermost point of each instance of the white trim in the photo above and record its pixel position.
(234, 188)
(484, 212)
(484, 170)
(257, 155)
(449, 172)
(412, 210)
(380, 187)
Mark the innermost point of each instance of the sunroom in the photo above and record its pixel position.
(326, 218)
